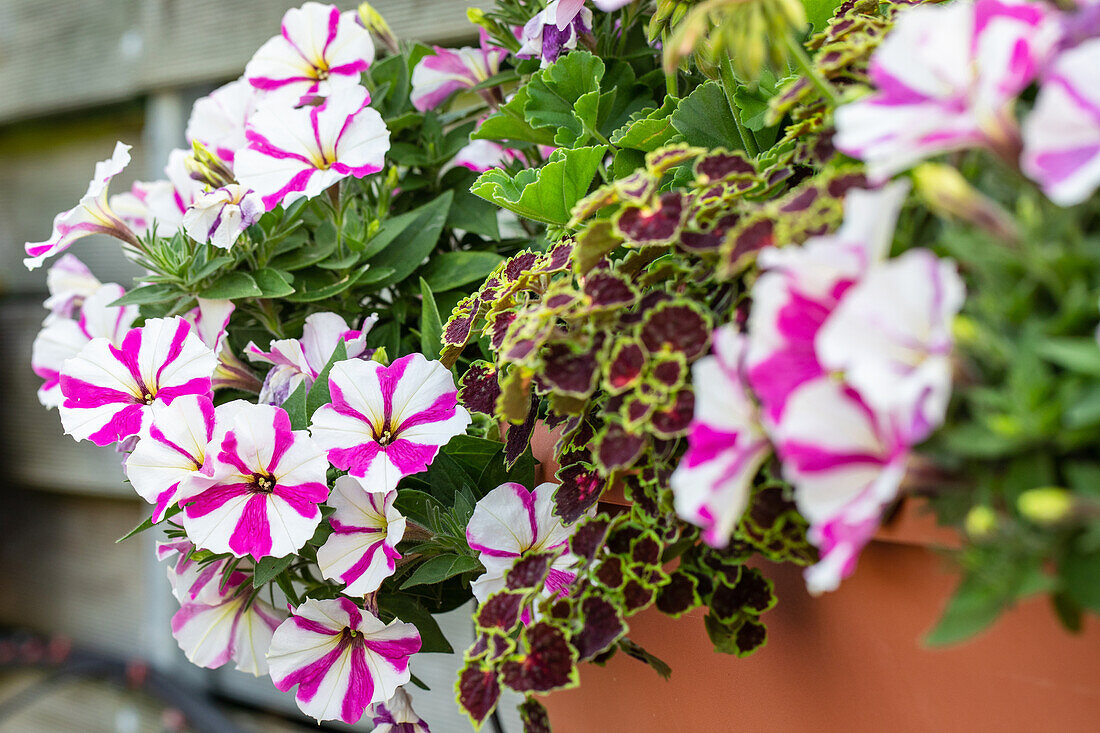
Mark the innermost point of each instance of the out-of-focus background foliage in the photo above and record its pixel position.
(76, 75)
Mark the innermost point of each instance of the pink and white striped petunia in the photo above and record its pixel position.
(439, 75)
(946, 77)
(396, 715)
(555, 30)
(220, 216)
(266, 481)
(298, 361)
(218, 120)
(63, 338)
(838, 453)
(1062, 134)
(167, 461)
(801, 286)
(161, 203)
(726, 446)
(109, 391)
(319, 53)
(891, 337)
(300, 152)
(218, 623)
(91, 216)
(342, 659)
(69, 282)
(385, 423)
(511, 521)
(192, 581)
(362, 549)
(482, 155)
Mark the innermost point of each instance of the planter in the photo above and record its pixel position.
(851, 660)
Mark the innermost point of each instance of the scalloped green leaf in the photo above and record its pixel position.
(545, 194)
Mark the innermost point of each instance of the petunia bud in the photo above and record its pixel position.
(373, 21)
(981, 522)
(206, 167)
(1046, 505)
(947, 193)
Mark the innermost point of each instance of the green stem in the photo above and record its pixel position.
(804, 64)
(729, 83)
(672, 86)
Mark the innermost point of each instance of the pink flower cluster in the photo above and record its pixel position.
(948, 77)
(843, 368)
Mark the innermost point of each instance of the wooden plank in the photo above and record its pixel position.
(60, 55)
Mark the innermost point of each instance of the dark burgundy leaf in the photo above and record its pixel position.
(625, 368)
(720, 165)
(602, 628)
(579, 491)
(636, 596)
(557, 259)
(478, 692)
(561, 609)
(500, 645)
(589, 537)
(636, 187)
(529, 571)
(649, 225)
(519, 265)
(800, 201)
(616, 448)
(751, 238)
(478, 388)
(548, 664)
(608, 290)
(610, 573)
(678, 596)
(519, 437)
(496, 326)
(500, 610)
(839, 186)
(676, 326)
(676, 419)
(534, 716)
(670, 372)
(646, 550)
(481, 645)
(638, 410)
(620, 540)
(560, 301)
(569, 371)
(750, 637)
(457, 331)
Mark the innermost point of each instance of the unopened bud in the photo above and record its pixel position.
(1046, 505)
(981, 522)
(947, 193)
(373, 21)
(206, 167)
(964, 330)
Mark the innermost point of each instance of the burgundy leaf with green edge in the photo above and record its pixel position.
(501, 611)
(616, 448)
(549, 664)
(579, 490)
(678, 595)
(529, 571)
(638, 186)
(589, 537)
(750, 637)
(496, 327)
(646, 224)
(602, 628)
(676, 326)
(661, 160)
(519, 436)
(669, 371)
(675, 420)
(478, 389)
(752, 594)
(534, 716)
(625, 367)
(568, 371)
(609, 574)
(478, 691)
(557, 259)
(608, 290)
(499, 645)
(646, 549)
(708, 240)
(519, 265)
(636, 596)
(719, 165)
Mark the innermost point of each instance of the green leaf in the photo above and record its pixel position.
(509, 124)
(650, 131)
(984, 594)
(295, 405)
(468, 212)
(418, 506)
(818, 12)
(304, 255)
(566, 97)
(473, 453)
(315, 288)
(450, 270)
(1081, 575)
(1081, 355)
(273, 283)
(411, 611)
(319, 392)
(431, 327)
(268, 567)
(425, 230)
(147, 524)
(148, 294)
(545, 194)
(231, 286)
(439, 568)
(704, 119)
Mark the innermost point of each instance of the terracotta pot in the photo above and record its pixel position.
(848, 661)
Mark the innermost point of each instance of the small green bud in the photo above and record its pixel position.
(948, 194)
(373, 21)
(981, 522)
(1046, 505)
